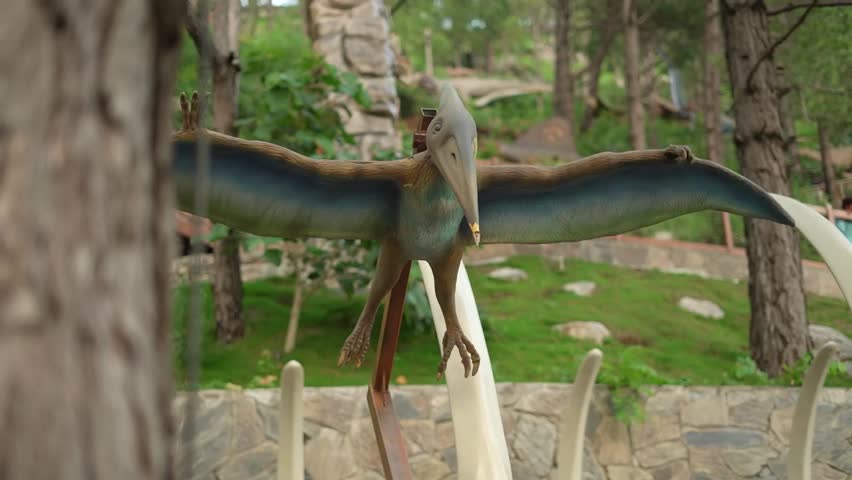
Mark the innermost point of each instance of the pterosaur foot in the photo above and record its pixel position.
(454, 338)
(356, 345)
(679, 154)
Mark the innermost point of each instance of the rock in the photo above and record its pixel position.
(592, 331)
(583, 289)
(383, 98)
(368, 56)
(250, 464)
(655, 429)
(661, 453)
(705, 308)
(375, 28)
(611, 442)
(428, 467)
(535, 443)
(628, 473)
(707, 410)
(329, 455)
(487, 261)
(820, 334)
(508, 274)
(724, 438)
(664, 235)
(678, 470)
(748, 461)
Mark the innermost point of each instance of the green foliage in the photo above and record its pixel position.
(284, 95)
(629, 380)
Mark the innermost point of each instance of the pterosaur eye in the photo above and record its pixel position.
(436, 127)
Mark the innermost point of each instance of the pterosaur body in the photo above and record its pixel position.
(432, 205)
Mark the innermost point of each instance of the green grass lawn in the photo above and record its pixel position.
(639, 307)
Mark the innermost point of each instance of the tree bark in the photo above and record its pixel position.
(779, 328)
(563, 83)
(593, 102)
(832, 189)
(228, 289)
(86, 201)
(632, 74)
(227, 277)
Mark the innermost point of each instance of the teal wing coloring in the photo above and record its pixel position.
(256, 192)
(617, 200)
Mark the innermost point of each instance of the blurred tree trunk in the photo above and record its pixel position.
(221, 47)
(254, 11)
(563, 83)
(632, 74)
(712, 67)
(832, 189)
(592, 101)
(779, 327)
(86, 198)
(712, 90)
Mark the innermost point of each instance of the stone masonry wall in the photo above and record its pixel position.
(354, 36)
(696, 433)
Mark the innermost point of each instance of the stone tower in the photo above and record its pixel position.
(354, 35)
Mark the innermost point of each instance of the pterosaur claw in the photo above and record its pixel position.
(679, 154)
(454, 338)
(355, 348)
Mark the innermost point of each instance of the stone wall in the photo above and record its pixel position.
(698, 433)
(354, 36)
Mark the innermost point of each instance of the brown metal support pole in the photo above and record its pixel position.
(385, 422)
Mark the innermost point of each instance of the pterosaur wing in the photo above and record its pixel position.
(608, 194)
(264, 189)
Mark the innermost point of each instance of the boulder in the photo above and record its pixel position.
(593, 331)
(583, 288)
(705, 308)
(820, 334)
(508, 274)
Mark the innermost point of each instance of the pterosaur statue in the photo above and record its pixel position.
(432, 205)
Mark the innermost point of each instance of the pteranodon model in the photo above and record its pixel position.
(432, 205)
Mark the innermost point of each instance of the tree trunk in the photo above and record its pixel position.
(86, 204)
(779, 328)
(295, 311)
(228, 289)
(632, 74)
(563, 83)
(593, 102)
(832, 189)
(712, 66)
(227, 277)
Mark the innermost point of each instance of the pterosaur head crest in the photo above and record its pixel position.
(451, 139)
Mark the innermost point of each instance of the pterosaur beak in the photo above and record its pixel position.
(457, 163)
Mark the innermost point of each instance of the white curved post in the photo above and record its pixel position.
(291, 458)
(804, 415)
(835, 249)
(480, 442)
(572, 430)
